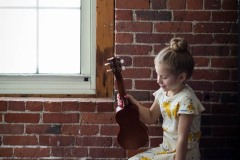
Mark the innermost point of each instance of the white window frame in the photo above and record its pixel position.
(84, 83)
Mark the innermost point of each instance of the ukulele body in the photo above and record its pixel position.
(132, 133)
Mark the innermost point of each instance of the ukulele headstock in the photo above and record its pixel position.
(115, 64)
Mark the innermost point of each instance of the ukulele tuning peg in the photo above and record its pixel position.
(109, 70)
(122, 61)
(106, 64)
(123, 68)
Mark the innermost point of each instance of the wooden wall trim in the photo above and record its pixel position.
(105, 46)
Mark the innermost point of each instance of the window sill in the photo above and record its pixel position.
(45, 99)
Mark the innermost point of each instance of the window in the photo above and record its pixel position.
(47, 47)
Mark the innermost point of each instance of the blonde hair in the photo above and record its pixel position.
(177, 56)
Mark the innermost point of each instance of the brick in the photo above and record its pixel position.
(3, 106)
(224, 62)
(109, 130)
(77, 152)
(180, 4)
(233, 142)
(229, 98)
(146, 85)
(133, 27)
(159, 4)
(68, 129)
(211, 74)
(87, 106)
(34, 105)
(153, 15)
(98, 118)
(234, 75)
(43, 129)
(16, 106)
(225, 86)
(229, 4)
(201, 85)
(107, 153)
(195, 5)
(21, 118)
(153, 38)
(224, 109)
(6, 152)
(70, 106)
(224, 16)
(61, 118)
(211, 97)
(212, 142)
(233, 51)
(104, 107)
(143, 61)
(137, 73)
(20, 140)
(158, 48)
(53, 106)
(173, 27)
(94, 141)
(212, 4)
(31, 152)
(217, 120)
(211, 51)
(216, 153)
(124, 15)
(191, 15)
(89, 130)
(133, 49)
(44, 140)
(62, 140)
(226, 39)
(197, 38)
(141, 95)
(201, 61)
(124, 38)
(133, 4)
(56, 140)
(11, 129)
(212, 27)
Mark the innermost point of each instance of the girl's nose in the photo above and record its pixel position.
(159, 80)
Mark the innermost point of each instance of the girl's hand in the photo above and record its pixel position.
(131, 99)
(121, 102)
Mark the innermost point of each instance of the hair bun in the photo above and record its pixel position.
(179, 45)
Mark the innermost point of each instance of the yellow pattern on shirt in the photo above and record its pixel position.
(175, 110)
(166, 106)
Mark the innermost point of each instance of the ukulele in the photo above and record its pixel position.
(133, 133)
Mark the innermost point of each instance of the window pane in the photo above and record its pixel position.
(59, 41)
(59, 3)
(17, 41)
(18, 3)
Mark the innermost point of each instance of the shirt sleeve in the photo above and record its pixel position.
(189, 104)
(157, 94)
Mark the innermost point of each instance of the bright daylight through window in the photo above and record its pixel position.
(47, 46)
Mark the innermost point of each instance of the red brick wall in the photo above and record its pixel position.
(40, 128)
(143, 27)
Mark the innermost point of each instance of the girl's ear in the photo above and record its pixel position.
(182, 77)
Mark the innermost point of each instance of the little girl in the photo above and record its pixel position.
(176, 102)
